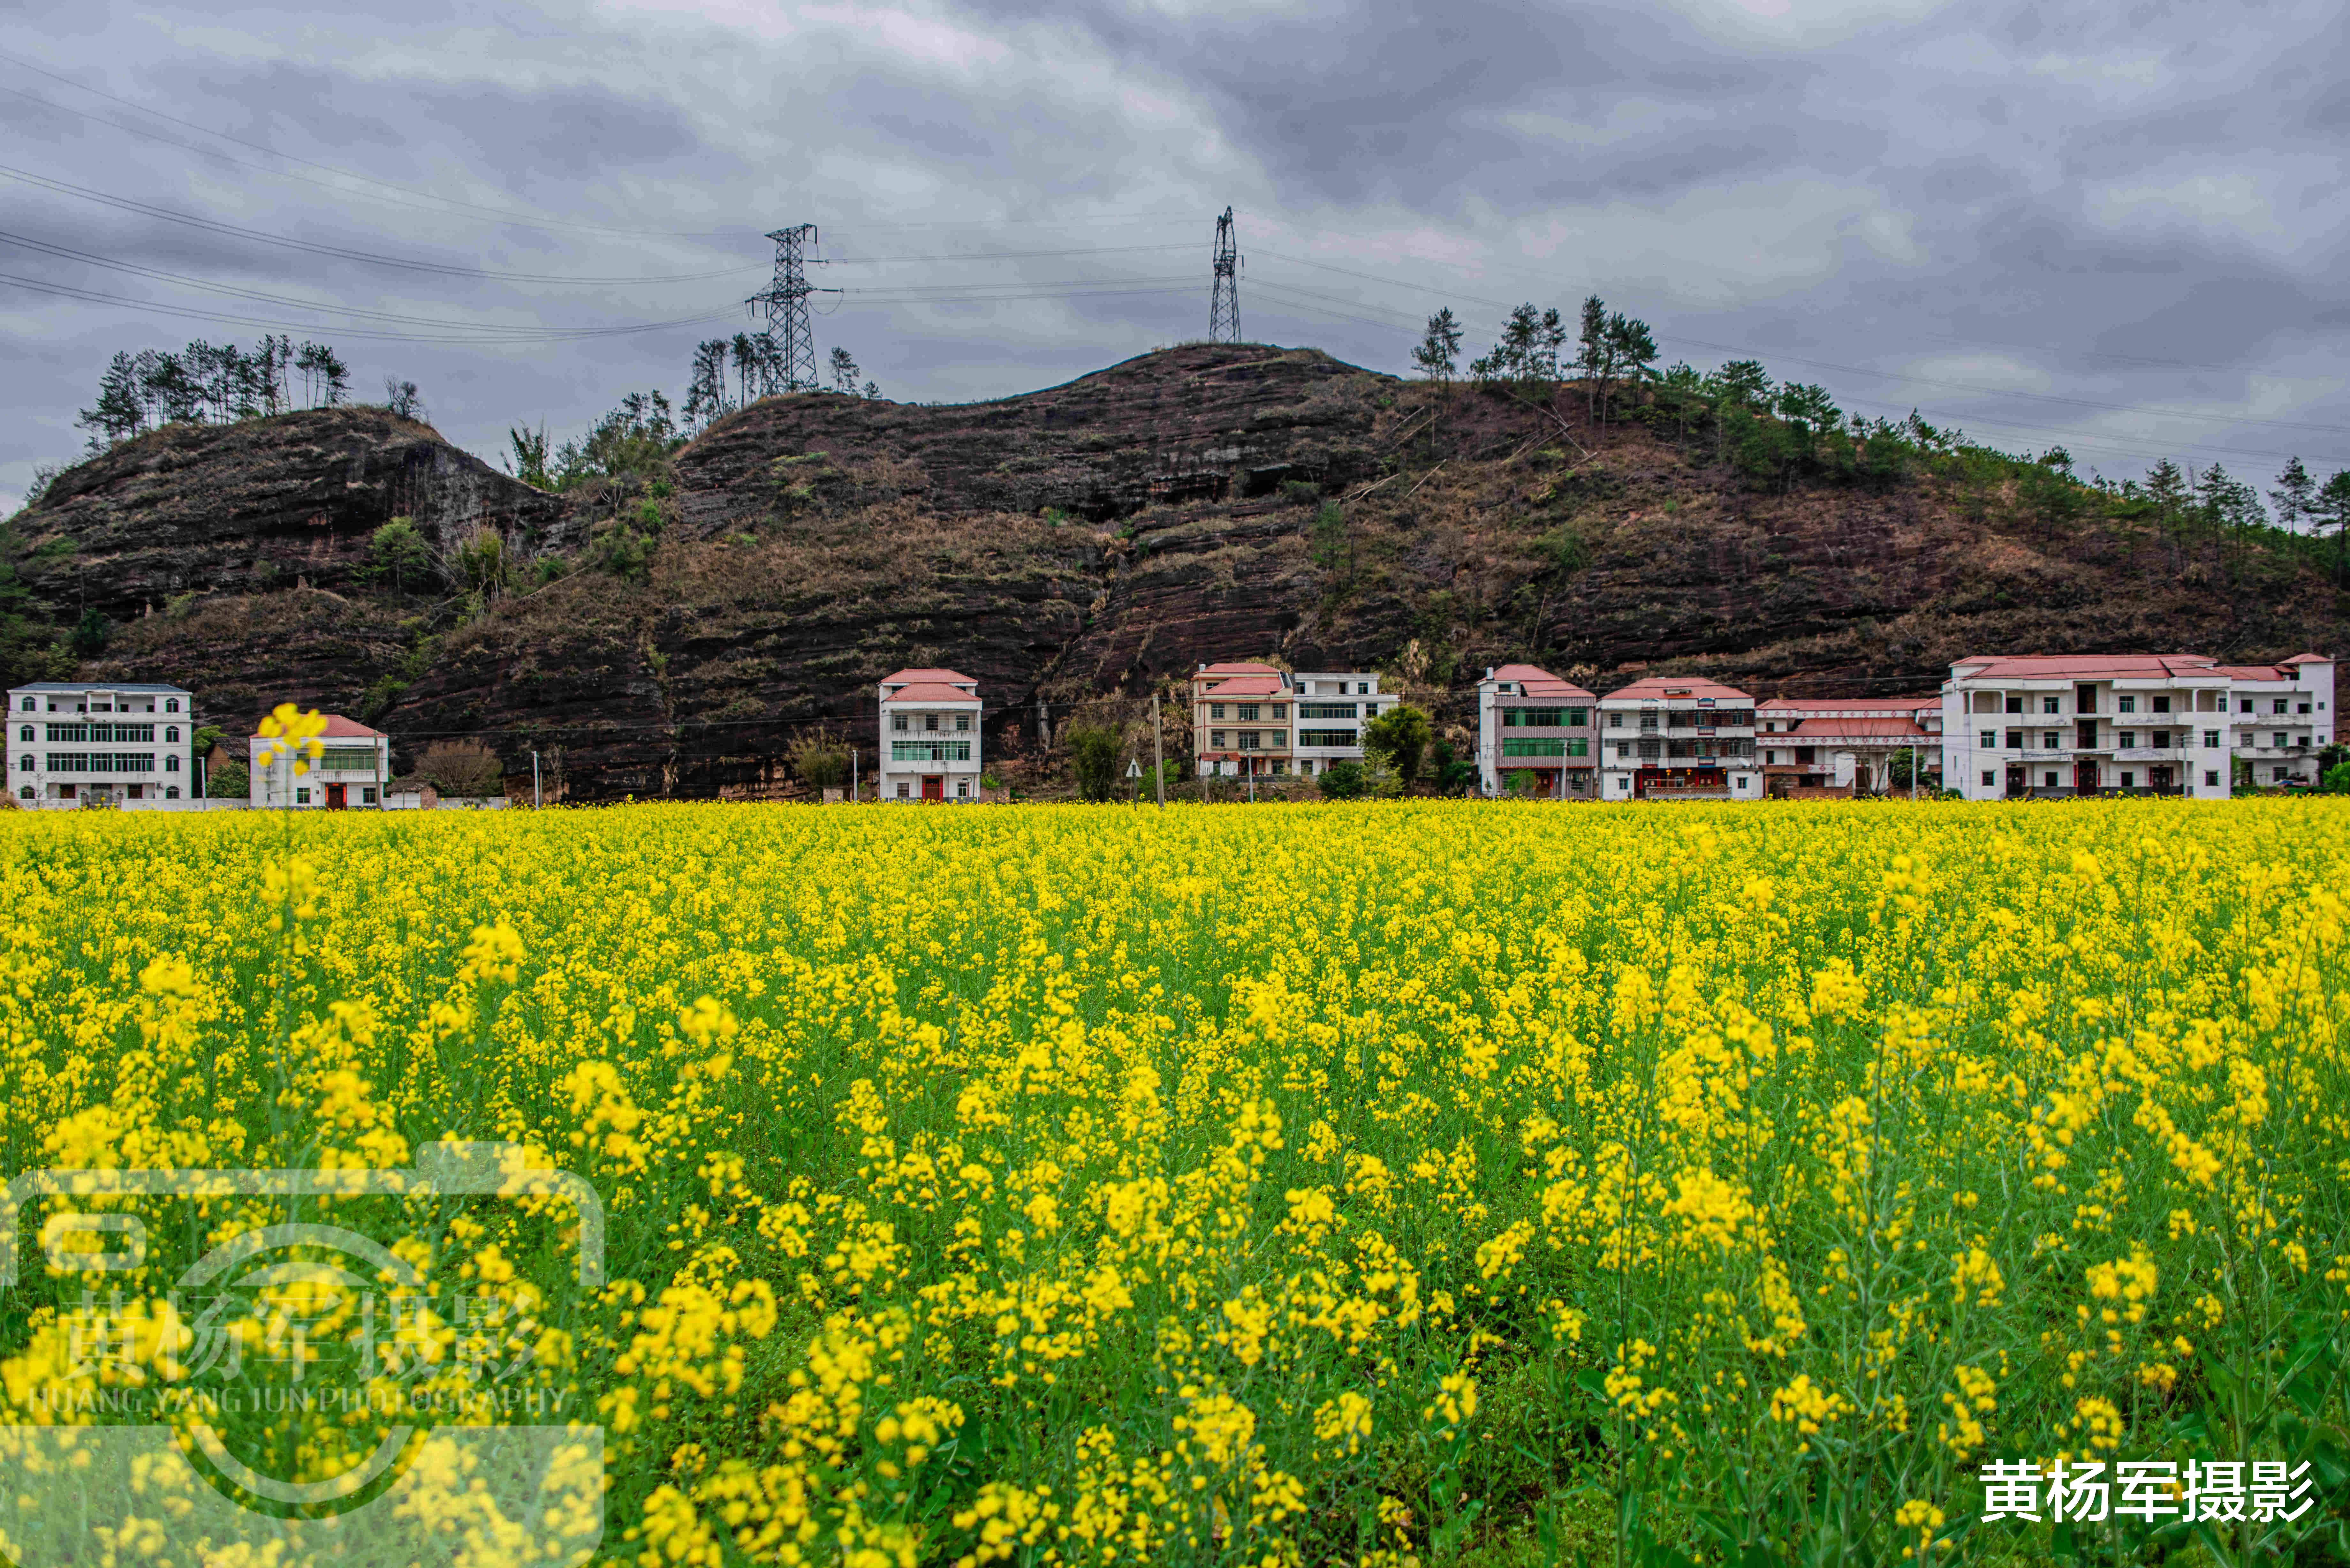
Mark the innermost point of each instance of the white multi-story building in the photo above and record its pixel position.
(1846, 745)
(1678, 738)
(352, 770)
(72, 740)
(2150, 724)
(930, 736)
(1240, 724)
(1530, 721)
(1255, 720)
(1333, 706)
(2283, 718)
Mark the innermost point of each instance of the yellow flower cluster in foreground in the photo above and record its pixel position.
(1072, 1185)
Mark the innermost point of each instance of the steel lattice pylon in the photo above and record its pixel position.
(790, 364)
(1224, 304)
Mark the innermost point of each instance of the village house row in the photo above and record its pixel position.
(2002, 728)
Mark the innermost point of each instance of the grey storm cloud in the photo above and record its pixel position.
(2119, 231)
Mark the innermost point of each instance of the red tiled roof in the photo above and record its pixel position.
(1902, 729)
(1665, 688)
(2251, 672)
(2308, 658)
(1828, 705)
(2085, 666)
(931, 691)
(947, 676)
(339, 729)
(1538, 683)
(1248, 686)
(1238, 667)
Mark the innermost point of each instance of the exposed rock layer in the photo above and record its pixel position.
(1081, 545)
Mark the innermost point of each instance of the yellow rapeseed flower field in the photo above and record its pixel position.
(1368, 1184)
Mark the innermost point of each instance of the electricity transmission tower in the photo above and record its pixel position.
(1224, 305)
(789, 366)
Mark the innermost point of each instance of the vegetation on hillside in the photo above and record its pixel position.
(218, 383)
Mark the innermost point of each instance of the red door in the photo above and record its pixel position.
(933, 787)
(336, 796)
(2085, 777)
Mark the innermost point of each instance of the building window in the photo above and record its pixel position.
(2162, 704)
(1247, 714)
(1988, 740)
(1215, 710)
(2048, 705)
(2244, 706)
(1615, 720)
(2277, 773)
(24, 763)
(170, 704)
(898, 722)
(2280, 706)
(171, 762)
(2158, 739)
(1623, 748)
(1739, 783)
(367, 796)
(1248, 740)
(2125, 738)
(904, 790)
(1533, 746)
(1273, 711)
(32, 705)
(172, 792)
(2278, 741)
(1578, 746)
(963, 723)
(2015, 740)
(1216, 739)
(2015, 704)
(25, 733)
(2210, 776)
(963, 789)
(302, 797)
(930, 724)
(2210, 737)
(2048, 778)
(1326, 737)
(2126, 704)
(1987, 778)
(1362, 687)
(2129, 780)
(2048, 739)
(2304, 707)
(171, 732)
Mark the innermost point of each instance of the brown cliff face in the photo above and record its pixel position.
(1197, 423)
(1100, 538)
(264, 506)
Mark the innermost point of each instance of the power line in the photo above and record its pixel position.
(1866, 370)
(504, 216)
(368, 258)
(515, 338)
(264, 298)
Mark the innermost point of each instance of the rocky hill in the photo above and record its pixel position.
(1085, 545)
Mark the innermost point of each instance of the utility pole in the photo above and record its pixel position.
(853, 793)
(1224, 301)
(536, 800)
(792, 365)
(1158, 751)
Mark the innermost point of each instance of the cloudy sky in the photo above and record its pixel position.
(2119, 228)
